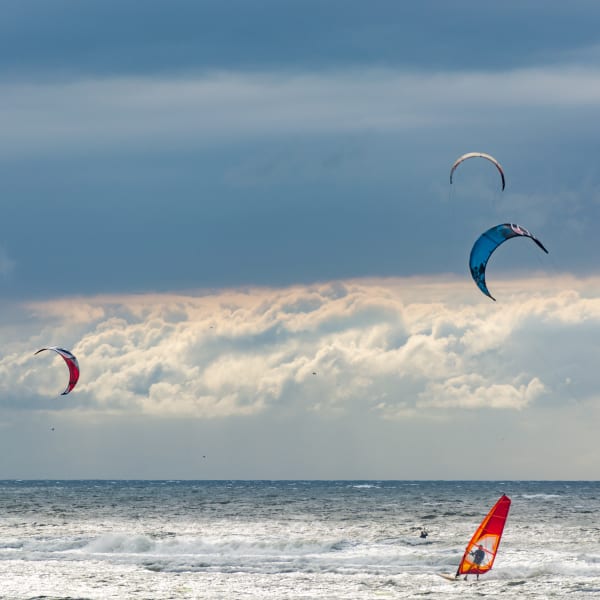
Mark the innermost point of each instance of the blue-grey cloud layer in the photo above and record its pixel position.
(209, 144)
(104, 38)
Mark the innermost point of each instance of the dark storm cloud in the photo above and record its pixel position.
(70, 38)
(197, 144)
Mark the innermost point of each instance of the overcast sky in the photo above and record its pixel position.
(238, 216)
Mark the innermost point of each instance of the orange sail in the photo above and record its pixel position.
(481, 550)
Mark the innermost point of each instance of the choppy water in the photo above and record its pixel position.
(291, 539)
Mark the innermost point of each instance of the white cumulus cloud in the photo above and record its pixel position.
(393, 348)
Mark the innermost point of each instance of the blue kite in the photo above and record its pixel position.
(485, 246)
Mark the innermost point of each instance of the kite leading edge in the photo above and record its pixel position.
(479, 155)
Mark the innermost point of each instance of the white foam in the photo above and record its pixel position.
(540, 496)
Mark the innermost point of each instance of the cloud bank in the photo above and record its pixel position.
(395, 349)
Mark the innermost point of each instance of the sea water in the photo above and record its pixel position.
(292, 539)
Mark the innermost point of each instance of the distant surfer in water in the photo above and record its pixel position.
(424, 533)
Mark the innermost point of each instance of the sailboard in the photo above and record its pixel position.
(481, 550)
(448, 576)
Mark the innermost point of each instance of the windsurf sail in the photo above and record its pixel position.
(481, 550)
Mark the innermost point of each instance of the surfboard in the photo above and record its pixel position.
(448, 576)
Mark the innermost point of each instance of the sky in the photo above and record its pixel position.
(238, 216)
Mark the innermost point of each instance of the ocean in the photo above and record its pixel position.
(292, 539)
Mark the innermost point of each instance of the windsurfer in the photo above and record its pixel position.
(478, 556)
(481, 550)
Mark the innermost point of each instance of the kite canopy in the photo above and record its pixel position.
(71, 363)
(478, 155)
(485, 246)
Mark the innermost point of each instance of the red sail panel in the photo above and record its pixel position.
(73, 374)
(481, 550)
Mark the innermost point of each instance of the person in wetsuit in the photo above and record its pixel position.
(478, 556)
